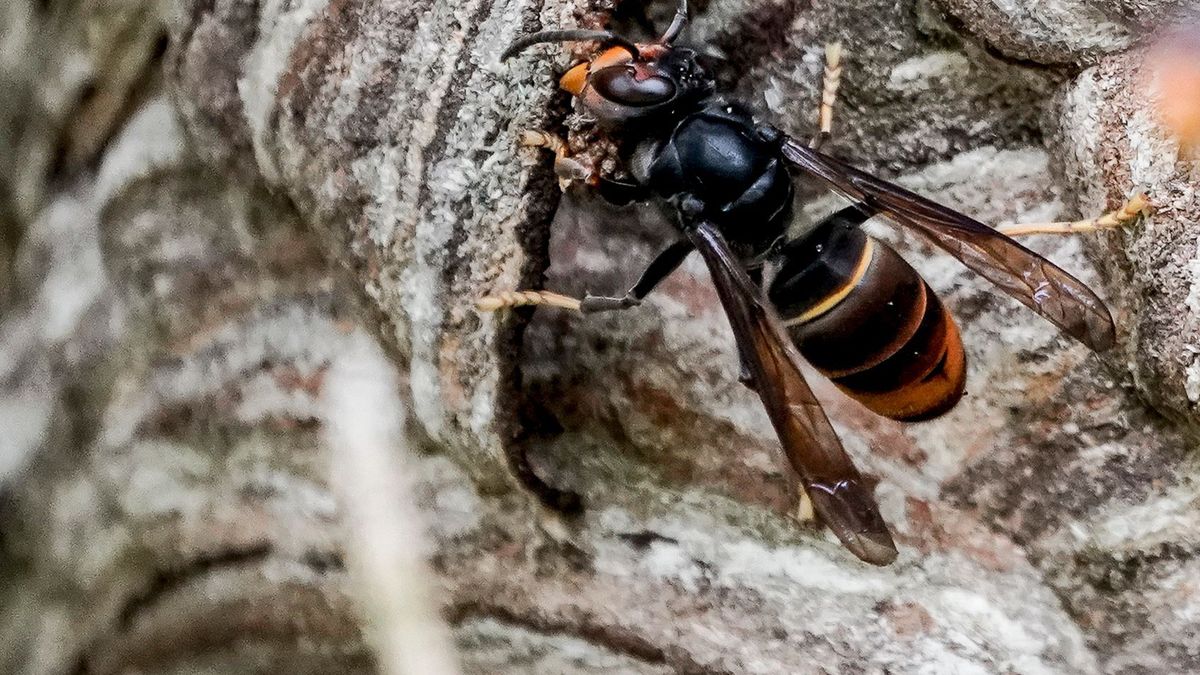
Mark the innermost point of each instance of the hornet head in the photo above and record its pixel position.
(626, 82)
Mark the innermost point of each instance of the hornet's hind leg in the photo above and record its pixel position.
(1130, 211)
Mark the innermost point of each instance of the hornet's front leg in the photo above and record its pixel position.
(570, 170)
(567, 169)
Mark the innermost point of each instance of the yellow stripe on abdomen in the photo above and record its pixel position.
(830, 301)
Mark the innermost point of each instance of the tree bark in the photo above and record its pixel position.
(241, 247)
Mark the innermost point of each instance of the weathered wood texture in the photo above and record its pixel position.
(297, 194)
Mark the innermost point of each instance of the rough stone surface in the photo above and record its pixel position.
(1061, 32)
(393, 128)
(914, 90)
(329, 182)
(1112, 145)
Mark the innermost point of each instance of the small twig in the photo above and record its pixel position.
(364, 428)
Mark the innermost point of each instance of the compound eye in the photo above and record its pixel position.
(624, 84)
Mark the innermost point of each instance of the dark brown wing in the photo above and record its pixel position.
(1038, 283)
(839, 495)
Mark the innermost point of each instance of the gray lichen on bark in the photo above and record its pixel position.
(293, 186)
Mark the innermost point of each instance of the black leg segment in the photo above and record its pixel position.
(660, 268)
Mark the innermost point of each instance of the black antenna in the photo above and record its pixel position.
(576, 35)
(677, 24)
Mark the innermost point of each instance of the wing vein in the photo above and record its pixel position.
(1034, 281)
(840, 496)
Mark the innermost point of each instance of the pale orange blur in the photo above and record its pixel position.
(1175, 66)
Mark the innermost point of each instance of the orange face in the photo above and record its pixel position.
(575, 79)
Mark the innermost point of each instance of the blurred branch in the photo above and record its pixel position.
(386, 544)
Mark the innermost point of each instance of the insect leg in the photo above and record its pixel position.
(829, 89)
(567, 169)
(1129, 212)
(804, 512)
(506, 299)
(660, 268)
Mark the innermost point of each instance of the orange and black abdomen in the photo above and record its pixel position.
(863, 317)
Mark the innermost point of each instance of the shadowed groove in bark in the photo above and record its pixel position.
(69, 158)
(314, 60)
(447, 113)
(613, 638)
(167, 580)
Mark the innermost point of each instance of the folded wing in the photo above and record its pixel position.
(1038, 283)
(839, 495)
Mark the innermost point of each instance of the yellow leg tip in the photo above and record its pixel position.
(489, 303)
(534, 139)
(804, 512)
(506, 299)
